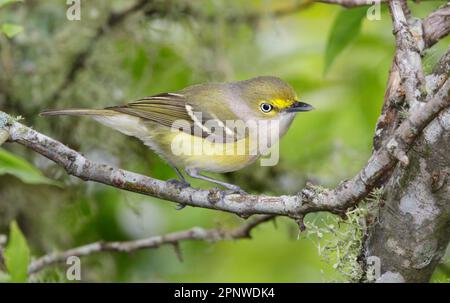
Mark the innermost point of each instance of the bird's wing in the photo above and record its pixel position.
(168, 108)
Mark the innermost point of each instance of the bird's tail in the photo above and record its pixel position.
(124, 123)
(78, 112)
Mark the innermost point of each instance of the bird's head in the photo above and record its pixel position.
(269, 97)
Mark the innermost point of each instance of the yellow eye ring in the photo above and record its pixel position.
(266, 107)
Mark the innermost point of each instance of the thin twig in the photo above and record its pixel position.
(356, 3)
(349, 3)
(246, 17)
(196, 233)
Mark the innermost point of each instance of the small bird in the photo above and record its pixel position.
(211, 127)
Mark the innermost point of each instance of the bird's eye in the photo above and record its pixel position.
(266, 107)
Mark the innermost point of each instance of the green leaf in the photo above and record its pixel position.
(10, 30)
(17, 255)
(11, 164)
(6, 2)
(345, 28)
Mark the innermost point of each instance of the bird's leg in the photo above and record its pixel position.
(180, 184)
(194, 173)
(182, 181)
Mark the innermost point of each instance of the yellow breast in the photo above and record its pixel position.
(195, 152)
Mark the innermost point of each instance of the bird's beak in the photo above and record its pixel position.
(299, 107)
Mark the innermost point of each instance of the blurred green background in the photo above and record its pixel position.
(166, 46)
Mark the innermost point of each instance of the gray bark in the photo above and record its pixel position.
(413, 229)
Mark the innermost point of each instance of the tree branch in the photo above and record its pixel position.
(407, 80)
(349, 3)
(356, 3)
(408, 53)
(413, 234)
(440, 73)
(436, 25)
(406, 83)
(245, 17)
(196, 233)
(310, 199)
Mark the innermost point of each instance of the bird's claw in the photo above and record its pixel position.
(178, 184)
(235, 190)
(180, 206)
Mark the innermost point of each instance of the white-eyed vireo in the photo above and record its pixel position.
(214, 127)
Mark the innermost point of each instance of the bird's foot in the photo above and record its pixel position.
(180, 206)
(234, 189)
(178, 184)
